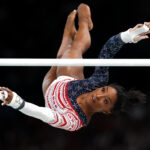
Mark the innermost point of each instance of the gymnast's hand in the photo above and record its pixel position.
(10, 98)
(136, 34)
(6, 95)
(143, 35)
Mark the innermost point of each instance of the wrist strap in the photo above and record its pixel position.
(21, 106)
(17, 102)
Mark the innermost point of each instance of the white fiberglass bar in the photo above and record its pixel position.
(74, 62)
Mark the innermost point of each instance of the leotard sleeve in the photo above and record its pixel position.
(51, 117)
(100, 76)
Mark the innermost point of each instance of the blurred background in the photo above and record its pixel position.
(33, 29)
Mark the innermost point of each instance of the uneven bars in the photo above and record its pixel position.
(75, 62)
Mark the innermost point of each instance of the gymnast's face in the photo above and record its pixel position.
(103, 99)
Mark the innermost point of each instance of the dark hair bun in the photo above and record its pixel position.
(136, 97)
(127, 99)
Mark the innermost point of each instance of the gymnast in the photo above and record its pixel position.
(70, 99)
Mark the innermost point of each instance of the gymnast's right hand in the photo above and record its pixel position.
(11, 98)
(6, 95)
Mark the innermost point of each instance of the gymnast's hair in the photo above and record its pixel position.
(127, 99)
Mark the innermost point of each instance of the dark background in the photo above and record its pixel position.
(33, 29)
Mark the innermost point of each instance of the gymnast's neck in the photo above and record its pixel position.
(85, 105)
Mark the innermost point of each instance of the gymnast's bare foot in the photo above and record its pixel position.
(84, 15)
(70, 29)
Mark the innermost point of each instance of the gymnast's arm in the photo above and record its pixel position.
(111, 47)
(114, 44)
(132, 35)
(11, 99)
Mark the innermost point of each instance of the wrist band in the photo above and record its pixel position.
(21, 106)
(17, 102)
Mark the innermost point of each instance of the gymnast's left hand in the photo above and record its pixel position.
(9, 97)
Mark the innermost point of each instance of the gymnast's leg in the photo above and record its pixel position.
(79, 45)
(68, 37)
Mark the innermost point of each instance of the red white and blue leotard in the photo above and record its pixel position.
(56, 98)
(62, 93)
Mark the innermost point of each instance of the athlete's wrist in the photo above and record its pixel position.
(17, 102)
(11, 99)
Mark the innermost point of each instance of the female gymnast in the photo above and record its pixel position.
(70, 99)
